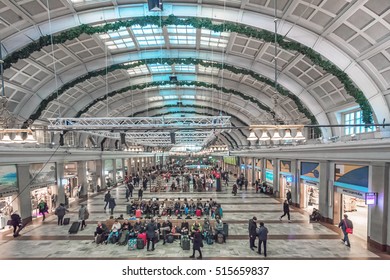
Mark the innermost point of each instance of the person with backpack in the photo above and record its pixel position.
(16, 222)
(83, 215)
(219, 229)
(42, 208)
(107, 197)
(111, 205)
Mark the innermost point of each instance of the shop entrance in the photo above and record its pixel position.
(284, 185)
(357, 212)
(309, 196)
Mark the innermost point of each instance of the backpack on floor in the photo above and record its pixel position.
(132, 244)
(123, 239)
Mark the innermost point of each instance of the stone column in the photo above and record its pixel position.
(276, 178)
(60, 185)
(123, 167)
(82, 178)
(295, 182)
(114, 171)
(378, 215)
(23, 204)
(99, 175)
(324, 190)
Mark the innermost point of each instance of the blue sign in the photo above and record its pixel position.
(269, 176)
(289, 179)
(371, 198)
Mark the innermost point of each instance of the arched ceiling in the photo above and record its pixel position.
(352, 35)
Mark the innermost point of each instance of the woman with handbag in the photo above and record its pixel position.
(197, 243)
(347, 228)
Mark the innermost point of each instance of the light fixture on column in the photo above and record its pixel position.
(252, 136)
(299, 136)
(264, 136)
(276, 136)
(287, 135)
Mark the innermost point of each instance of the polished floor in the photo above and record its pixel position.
(296, 240)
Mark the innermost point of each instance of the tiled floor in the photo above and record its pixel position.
(296, 240)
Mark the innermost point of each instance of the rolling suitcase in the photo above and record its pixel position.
(66, 221)
(74, 228)
(185, 242)
(140, 243)
(132, 244)
(170, 238)
(123, 239)
(226, 229)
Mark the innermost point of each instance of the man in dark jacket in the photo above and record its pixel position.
(60, 212)
(252, 233)
(107, 197)
(286, 211)
(151, 228)
(16, 222)
(263, 236)
(346, 224)
(111, 205)
(197, 243)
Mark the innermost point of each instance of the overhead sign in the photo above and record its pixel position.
(350, 192)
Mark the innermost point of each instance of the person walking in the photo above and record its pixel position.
(107, 197)
(289, 197)
(42, 208)
(263, 236)
(140, 193)
(252, 233)
(197, 243)
(60, 212)
(131, 188)
(16, 222)
(111, 205)
(347, 227)
(83, 215)
(286, 211)
(127, 194)
(151, 228)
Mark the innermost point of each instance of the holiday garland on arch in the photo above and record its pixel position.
(203, 23)
(172, 61)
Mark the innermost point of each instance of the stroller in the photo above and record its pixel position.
(315, 215)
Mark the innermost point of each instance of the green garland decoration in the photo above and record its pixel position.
(203, 23)
(172, 61)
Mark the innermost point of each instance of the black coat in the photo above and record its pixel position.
(150, 229)
(286, 207)
(252, 227)
(197, 240)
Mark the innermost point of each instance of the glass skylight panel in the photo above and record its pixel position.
(147, 41)
(146, 30)
(160, 68)
(185, 68)
(167, 97)
(181, 29)
(139, 70)
(188, 97)
(118, 39)
(182, 40)
(208, 70)
(214, 39)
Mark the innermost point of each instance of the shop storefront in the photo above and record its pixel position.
(309, 186)
(350, 189)
(109, 173)
(230, 164)
(43, 186)
(285, 177)
(119, 170)
(70, 182)
(269, 176)
(8, 193)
